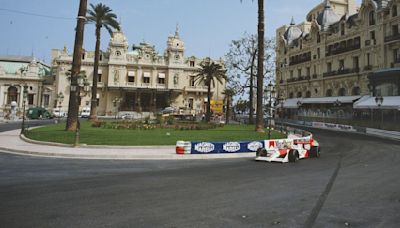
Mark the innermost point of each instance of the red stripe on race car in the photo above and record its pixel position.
(271, 144)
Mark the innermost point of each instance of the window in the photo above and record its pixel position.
(356, 91)
(329, 67)
(12, 94)
(395, 30)
(308, 94)
(131, 76)
(329, 93)
(191, 81)
(161, 78)
(298, 72)
(342, 92)
(308, 72)
(341, 65)
(396, 57)
(291, 95)
(372, 35)
(146, 77)
(101, 57)
(318, 53)
(291, 74)
(192, 63)
(83, 55)
(299, 94)
(394, 11)
(342, 31)
(318, 38)
(372, 18)
(46, 100)
(117, 53)
(30, 99)
(368, 59)
(99, 75)
(356, 65)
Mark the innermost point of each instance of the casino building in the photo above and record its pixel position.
(138, 79)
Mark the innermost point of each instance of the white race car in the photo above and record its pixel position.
(288, 150)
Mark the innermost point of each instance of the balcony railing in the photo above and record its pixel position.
(341, 72)
(343, 46)
(392, 37)
(368, 68)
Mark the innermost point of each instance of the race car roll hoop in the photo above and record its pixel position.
(298, 145)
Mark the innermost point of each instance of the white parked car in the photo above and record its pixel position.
(58, 113)
(85, 113)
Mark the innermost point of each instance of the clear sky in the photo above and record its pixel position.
(206, 26)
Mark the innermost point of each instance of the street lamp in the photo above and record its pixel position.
(82, 88)
(60, 99)
(379, 101)
(337, 104)
(271, 93)
(25, 94)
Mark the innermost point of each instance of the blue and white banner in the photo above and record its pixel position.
(226, 147)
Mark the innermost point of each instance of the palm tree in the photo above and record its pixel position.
(260, 70)
(229, 93)
(73, 107)
(100, 15)
(260, 67)
(209, 72)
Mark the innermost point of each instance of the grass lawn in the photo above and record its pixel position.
(101, 136)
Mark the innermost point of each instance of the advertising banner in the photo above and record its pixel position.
(226, 147)
(217, 106)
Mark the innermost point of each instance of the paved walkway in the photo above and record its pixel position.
(11, 142)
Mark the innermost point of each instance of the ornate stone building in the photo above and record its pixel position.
(139, 79)
(330, 57)
(19, 71)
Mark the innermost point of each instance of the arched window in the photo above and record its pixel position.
(394, 10)
(299, 94)
(308, 94)
(329, 93)
(342, 92)
(372, 17)
(12, 94)
(291, 95)
(356, 91)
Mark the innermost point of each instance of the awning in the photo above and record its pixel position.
(146, 74)
(367, 102)
(329, 100)
(161, 75)
(291, 103)
(131, 73)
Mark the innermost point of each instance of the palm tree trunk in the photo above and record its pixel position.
(260, 69)
(93, 103)
(73, 105)
(228, 109)
(208, 115)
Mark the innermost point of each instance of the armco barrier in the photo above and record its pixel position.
(186, 147)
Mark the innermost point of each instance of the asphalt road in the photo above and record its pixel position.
(355, 183)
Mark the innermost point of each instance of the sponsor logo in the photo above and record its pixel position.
(253, 146)
(204, 147)
(231, 146)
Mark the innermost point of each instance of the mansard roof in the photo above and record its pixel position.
(292, 33)
(327, 17)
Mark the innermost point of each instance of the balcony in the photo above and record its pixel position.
(392, 38)
(343, 46)
(341, 72)
(314, 76)
(196, 89)
(302, 58)
(370, 42)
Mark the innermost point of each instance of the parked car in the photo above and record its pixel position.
(85, 113)
(38, 113)
(58, 113)
(168, 110)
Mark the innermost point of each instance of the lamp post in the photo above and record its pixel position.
(379, 101)
(60, 98)
(82, 88)
(25, 94)
(299, 103)
(271, 93)
(337, 104)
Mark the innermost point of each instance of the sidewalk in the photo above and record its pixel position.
(10, 142)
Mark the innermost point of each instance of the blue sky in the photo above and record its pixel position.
(206, 26)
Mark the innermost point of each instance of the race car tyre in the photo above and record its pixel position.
(314, 152)
(261, 152)
(293, 156)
